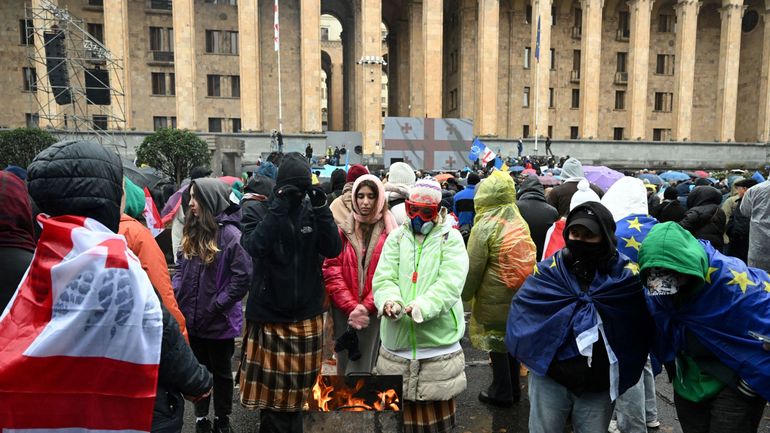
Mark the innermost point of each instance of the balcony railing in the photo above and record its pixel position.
(621, 77)
(574, 76)
(577, 32)
(162, 56)
(164, 5)
(623, 35)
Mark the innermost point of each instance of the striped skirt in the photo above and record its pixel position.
(280, 364)
(429, 416)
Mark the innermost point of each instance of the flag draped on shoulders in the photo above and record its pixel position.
(552, 318)
(80, 340)
(631, 232)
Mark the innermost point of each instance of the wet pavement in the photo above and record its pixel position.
(472, 415)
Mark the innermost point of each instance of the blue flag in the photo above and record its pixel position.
(537, 42)
(498, 163)
(477, 149)
(734, 300)
(630, 232)
(758, 177)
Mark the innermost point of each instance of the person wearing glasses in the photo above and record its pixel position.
(417, 287)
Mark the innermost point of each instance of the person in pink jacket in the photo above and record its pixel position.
(348, 277)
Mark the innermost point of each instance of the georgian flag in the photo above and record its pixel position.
(151, 215)
(276, 28)
(80, 340)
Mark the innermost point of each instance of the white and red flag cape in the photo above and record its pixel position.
(80, 340)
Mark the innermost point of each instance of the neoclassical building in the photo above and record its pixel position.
(682, 70)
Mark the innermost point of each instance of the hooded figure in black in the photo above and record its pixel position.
(704, 218)
(336, 183)
(538, 214)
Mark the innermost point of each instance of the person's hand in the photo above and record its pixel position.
(408, 311)
(317, 196)
(391, 310)
(359, 317)
(288, 191)
(198, 398)
(285, 197)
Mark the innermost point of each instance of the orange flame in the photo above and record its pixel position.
(328, 399)
(388, 400)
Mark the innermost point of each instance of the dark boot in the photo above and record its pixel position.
(515, 367)
(222, 424)
(203, 426)
(499, 392)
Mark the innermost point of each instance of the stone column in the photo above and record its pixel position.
(729, 61)
(369, 106)
(416, 62)
(639, 59)
(433, 46)
(392, 70)
(763, 116)
(335, 97)
(485, 120)
(541, 74)
(467, 59)
(248, 32)
(185, 64)
(403, 66)
(50, 113)
(590, 67)
(310, 59)
(687, 29)
(116, 40)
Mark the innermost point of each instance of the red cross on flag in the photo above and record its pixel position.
(151, 215)
(80, 340)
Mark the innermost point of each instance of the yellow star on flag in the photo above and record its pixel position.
(553, 263)
(633, 267)
(741, 279)
(632, 243)
(708, 274)
(536, 271)
(635, 224)
(767, 286)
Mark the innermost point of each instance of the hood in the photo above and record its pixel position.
(627, 196)
(670, 246)
(704, 195)
(380, 211)
(16, 227)
(396, 191)
(572, 169)
(531, 188)
(260, 184)
(294, 170)
(134, 198)
(496, 190)
(212, 193)
(231, 215)
(337, 180)
(267, 169)
(605, 220)
(79, 178)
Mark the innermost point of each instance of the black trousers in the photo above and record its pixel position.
(727, 412)
(217, 356)
(271, 421)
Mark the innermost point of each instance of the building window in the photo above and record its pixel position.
(236, 121)
(550, 130)
(221, 42)
(453, 99)
(97, 31)
(553, 59)
(551, 98)
(624, 25)
(578, 24)
(235, 86)
(620, 99)
(553, 15)
(576, 60)
(666, 23)
(30, 79)
(527, 56)
(173, 121)
(222, 2)
(528, 13)
(621, 66)
(215, 124)
(659, 134)
(99, 121)
(172, 84)
(324, 33)
(525, 102)
(525, 131)
(617, 133)
(159, 122)
(664, 101)
(158, 83)
(573, 132)
(575, 98)
(665, 64)
(32, 120)
(161, 39)
(214, 85)
(26, 32)
(95, 2)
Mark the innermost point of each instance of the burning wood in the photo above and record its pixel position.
(332, 393)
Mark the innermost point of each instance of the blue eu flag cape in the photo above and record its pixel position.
(734, 300)
(550, 316)
(630, 232)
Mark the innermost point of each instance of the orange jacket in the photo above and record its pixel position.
(141, 242)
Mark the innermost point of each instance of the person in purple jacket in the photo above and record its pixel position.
(213, 275)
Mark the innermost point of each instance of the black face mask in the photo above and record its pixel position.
(295, 200)
(586, 251)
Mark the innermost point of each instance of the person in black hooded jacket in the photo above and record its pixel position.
(670, 209)
(336, 183)
(704, 218)
(536, 211)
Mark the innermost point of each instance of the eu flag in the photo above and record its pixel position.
(537, 42)
(630, 232)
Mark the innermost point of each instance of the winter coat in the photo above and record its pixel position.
(336, 183)
(502, 256)
(441, 264)
(17, 244)
(285, 249)
(560, 196)
(704, 218)
(342, 206)
(669, 210)
(179, 373)
(738, 233)
(464, 205)
(210, 295)
(536, 211)
(756, 205)
(141, 242)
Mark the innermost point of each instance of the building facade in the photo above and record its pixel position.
(681, 70)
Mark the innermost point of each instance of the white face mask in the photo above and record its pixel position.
(663, 282)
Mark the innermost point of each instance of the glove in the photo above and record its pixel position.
(359, 317)
(317, 196)
(285, 198)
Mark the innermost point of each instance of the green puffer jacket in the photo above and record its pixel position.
(441, 264)
(502, 256)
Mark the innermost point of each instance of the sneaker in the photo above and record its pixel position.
(203, 426)
(222, 425)
(653, 424)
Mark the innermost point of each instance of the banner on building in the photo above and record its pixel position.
(427, 144)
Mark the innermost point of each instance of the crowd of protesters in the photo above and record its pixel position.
(591, 290)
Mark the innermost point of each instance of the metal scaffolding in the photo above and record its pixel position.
(92, 102)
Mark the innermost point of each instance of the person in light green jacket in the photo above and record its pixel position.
(417, 287)
(502, 256)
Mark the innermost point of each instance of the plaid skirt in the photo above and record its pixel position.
(429, 416)
(280, 364)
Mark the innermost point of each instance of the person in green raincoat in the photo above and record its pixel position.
(502, 256)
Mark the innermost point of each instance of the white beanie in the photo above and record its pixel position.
(402, 174)
(426, 191)
(583, 194)
(572, 168)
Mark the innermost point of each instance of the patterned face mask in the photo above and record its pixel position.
(662, 282)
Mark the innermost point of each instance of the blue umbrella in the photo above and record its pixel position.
(652, 178)
(516, 169)
(674, 175)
